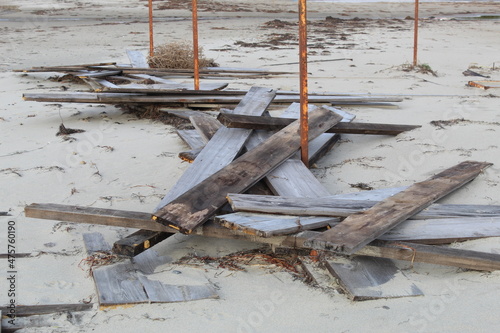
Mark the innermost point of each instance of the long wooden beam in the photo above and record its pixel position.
(202, 201)
(401, 251)
(275, 123)
(359, 229)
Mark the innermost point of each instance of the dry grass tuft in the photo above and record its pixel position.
(178, 55)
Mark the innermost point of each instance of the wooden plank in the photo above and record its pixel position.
(488, 84)
(359, 229)
(330, 206)
(118, 284)
(191, 138)
(272, 225)
(169, 85)
(35, 310)
(137, 59)
(138, 242)
(147, 261)
(94, 242)
(173, 99)
(92, 215)
(212, 158)
(206, 126)
(184, 114)
(276, 123)
(198, 204)
(365, 278)
(99, 74)
(408, 252)
(167, 293)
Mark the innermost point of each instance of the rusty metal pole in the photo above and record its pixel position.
(151, 44)
(304, 119)
(196, 59)
(415, 35)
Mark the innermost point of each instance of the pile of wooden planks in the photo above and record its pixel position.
(248, 159)
(136, 83)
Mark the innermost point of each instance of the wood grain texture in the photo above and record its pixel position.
(205, 125)
(272, 225)
(223, 148)
(191, 138)
(365, 278)
(138, 242)
(359, 229)
(35, 310)
(198, 204)
(331, 206)
(276, 123)
(94, 242)
(137, 59)
(420, 253)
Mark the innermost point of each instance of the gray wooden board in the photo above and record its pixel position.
(365, 278)
(205, 125)
(119, 284)
(147, 261)
(167, 293)
(191, 138)
(223, 148)
(272, 225)
(94, 242)
(34, 310)
(173, 85)
(137, 59)
(330, 206)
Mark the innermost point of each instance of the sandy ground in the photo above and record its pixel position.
(124, 163)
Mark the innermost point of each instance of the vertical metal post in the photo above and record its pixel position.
(415, 35)
(195, 46)
(304, 119)
(151, 44)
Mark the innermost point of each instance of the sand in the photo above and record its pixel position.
(122, 162)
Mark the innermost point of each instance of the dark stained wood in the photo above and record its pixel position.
(421, 253)
(138, 242)
(359, 229)
(365, 278)
(331, 206)
(275, 123)
(197, 205)
(35, 310)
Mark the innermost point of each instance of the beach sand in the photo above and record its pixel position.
(122, 162)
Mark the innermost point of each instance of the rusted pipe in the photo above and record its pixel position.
(196, 60)
(151, 44)
(415, 35)
(304, 119)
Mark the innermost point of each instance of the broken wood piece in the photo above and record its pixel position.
(35, 310)
(409, 252)
(331, 206)
(205, 125)
(137, 59)
(484, 84)
(191, 138)
(366, 278)
(198, 204)
(94, 242)
(138, 242)
(272, 225)
(275, 123)
(359, 229)
(167, 293)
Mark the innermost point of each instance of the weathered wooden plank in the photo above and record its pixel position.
(137, 59)
(147, 261)
(34, 310)
(198, 204)
(92, 215)
(138, 242)
(365, 278)
(191, 138)
(173, 99)
(330, 206)
(167, 293)
(94, 242)
(277, 123)
(212, 158)
(206, 126)
(118, 284)
(272, 225)
(359, 229)
(410, 252)
(98, 74)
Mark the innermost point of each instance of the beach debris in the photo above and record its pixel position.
(484, 84)
(469, 72)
